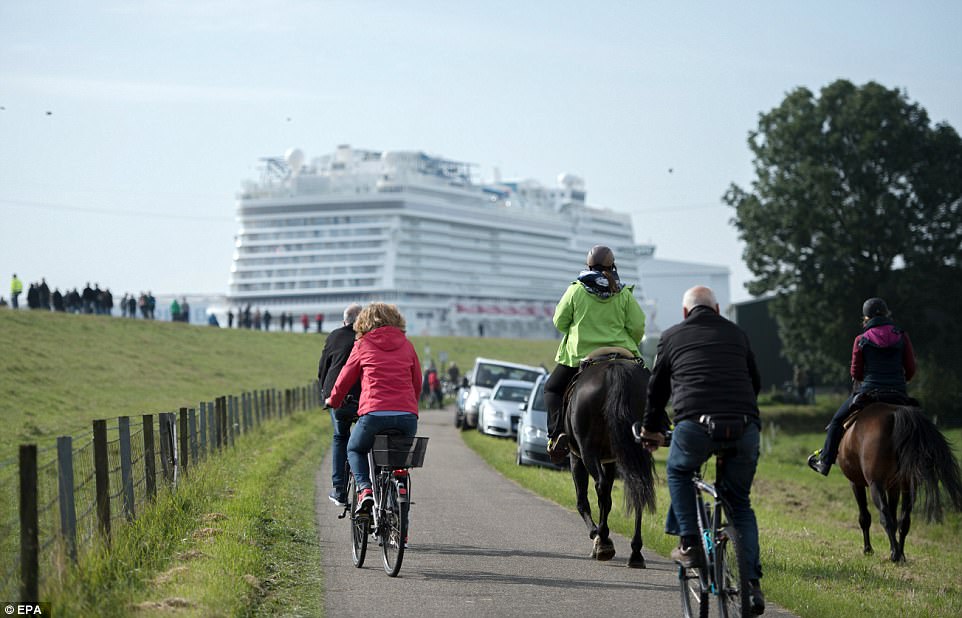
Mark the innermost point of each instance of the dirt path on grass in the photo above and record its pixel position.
(480, 545)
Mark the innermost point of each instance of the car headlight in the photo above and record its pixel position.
(533, 433)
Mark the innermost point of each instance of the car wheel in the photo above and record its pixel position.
(457, 420)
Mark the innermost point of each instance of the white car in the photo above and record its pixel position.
(499, 414)
(481, 381)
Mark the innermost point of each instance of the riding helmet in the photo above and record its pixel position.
(875, 307)
(600, 257)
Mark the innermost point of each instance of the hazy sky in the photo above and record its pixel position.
(158, 110)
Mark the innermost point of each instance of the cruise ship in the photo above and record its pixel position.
(458, 255)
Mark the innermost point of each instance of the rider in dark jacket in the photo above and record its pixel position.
(882, 360)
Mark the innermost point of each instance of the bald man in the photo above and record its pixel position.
(706, 365)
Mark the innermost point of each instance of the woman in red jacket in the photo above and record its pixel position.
(387, 365)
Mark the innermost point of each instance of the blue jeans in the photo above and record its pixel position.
(362, 441)
(691, 446)
(341, 419)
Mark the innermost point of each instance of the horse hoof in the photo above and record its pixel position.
(637, 562)
(603, 550)
(868, 551)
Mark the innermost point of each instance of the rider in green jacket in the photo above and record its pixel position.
(596, 311)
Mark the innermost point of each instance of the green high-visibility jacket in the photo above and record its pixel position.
(16, 286)
(590, 322)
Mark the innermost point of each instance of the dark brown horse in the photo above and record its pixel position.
(605, 399)
(895, 451)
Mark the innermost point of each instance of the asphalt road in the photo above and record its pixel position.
(481, 545)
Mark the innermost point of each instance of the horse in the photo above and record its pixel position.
(605, 398)
(894, 450)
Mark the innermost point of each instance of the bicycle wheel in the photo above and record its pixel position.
(359, 526)
(393, 528)
(693, 585)
(734, 595)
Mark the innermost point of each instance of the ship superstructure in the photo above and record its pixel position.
(457, 255)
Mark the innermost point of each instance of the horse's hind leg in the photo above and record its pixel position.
(604, 480)
(636, 560)
(579, 474)
(887, 504)
(864, 516)
(905, 522)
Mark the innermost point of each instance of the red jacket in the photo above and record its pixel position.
(390, 374)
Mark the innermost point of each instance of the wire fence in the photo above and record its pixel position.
(58, 501)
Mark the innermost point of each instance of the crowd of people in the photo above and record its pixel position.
(91, 300)
(253, 318)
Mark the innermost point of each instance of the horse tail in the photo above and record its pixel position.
(635, 464)
(925, 459)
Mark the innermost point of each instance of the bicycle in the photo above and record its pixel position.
(389, 462)
(722, 570)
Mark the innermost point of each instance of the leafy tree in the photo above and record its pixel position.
(856, 194)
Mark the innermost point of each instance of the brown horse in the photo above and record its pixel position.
(894, 451)
(604, 401)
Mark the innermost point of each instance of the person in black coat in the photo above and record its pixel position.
(337, 348)
(706, 365)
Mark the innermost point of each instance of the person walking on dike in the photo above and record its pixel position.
(337, 349)
(596, 311)
(385, 361)
(16, 289)
(882, 360)
(707, 367)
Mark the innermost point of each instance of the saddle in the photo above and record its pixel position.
(606, 354)
(862, 400)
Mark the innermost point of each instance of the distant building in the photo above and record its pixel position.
(756, 320)
(664, 282)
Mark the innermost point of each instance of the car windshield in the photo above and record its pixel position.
(488, 375)
(538, 403)
(512, 393)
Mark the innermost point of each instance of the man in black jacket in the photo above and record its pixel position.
(337, 348)
(707, 367)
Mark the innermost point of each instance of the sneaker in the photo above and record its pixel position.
(688, 557)
(758, 599)
(365, 500)
(815, 463)
(558, 449)
(337, 497)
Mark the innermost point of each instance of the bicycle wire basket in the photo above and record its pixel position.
(399, 451)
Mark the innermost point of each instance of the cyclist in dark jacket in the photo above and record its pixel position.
(882, 360)
(337, 349)
(707, 366)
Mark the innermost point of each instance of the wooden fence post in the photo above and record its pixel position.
(192, 422)
(126, 468)
(203, 428)
(183, 436)
(29, 534)
(65, 497)
(163, 425)
(231, 418)
(150, 463)
(102, 474)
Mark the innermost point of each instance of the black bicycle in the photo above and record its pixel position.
(390, 461)
(723, 570)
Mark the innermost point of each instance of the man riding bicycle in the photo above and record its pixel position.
(707, 367)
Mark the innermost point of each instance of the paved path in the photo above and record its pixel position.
(481, 545)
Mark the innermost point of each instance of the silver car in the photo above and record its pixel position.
(533, 430)
(499, 414)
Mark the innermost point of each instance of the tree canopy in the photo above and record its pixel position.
(856, 194)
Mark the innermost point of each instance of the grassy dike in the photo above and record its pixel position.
(237, 538)
(810, 540)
